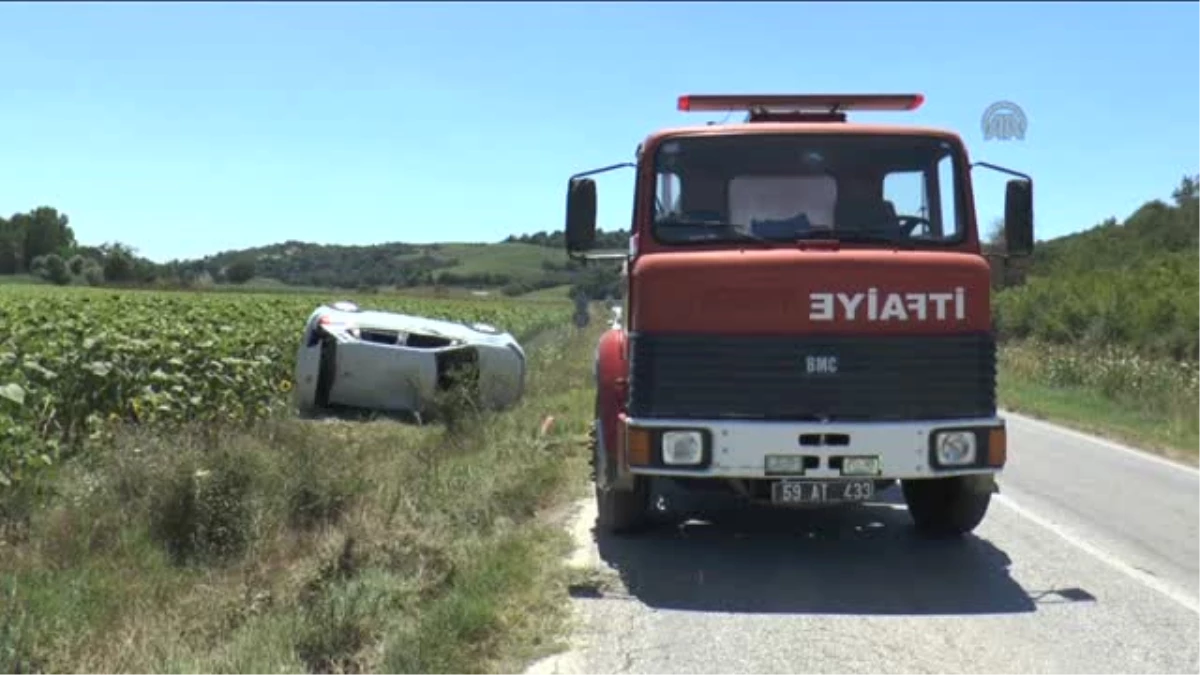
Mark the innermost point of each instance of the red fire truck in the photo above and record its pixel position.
(807, 314)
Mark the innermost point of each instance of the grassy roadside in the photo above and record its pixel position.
(1150, 404)
(305, 546)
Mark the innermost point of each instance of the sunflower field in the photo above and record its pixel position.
(75, 363)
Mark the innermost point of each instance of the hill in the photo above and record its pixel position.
(397, 264)
(519, 265)
(42, 244)
(1133, 284)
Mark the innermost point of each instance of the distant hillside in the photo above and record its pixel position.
(518, 265)
(396, 264)
(1134, 284)
(42, 244)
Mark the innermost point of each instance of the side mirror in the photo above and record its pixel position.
(1018, 217)
(581, 214)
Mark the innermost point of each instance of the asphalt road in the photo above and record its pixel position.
(1087, 562)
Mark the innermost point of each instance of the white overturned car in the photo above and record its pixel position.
(351, 358)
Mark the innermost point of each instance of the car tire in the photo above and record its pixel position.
(949, 507)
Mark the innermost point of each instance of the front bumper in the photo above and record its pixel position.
(739, 448)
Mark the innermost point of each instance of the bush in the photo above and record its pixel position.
(205, 513)
(1132, 285)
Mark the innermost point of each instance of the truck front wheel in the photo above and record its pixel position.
(618, 511)
(948, 507)
(621, 511)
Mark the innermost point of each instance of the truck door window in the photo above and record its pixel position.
(905, 191)
(667, 194)
(946, 185)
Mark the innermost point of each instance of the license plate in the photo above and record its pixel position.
(822, 491)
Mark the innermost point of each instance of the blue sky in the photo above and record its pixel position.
(188, 129)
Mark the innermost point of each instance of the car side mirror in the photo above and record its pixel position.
(1018, 217)
(581, 214)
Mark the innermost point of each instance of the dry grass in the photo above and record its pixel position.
(303, 546)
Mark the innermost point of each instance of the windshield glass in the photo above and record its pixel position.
(774, 188)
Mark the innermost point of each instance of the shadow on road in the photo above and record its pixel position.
(857, 560)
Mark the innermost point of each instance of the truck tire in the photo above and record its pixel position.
(947, 507)
(617, 511)
(620, 511)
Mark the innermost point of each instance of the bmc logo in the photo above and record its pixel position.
(821, 365)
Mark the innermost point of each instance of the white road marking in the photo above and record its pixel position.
(1141, 454)
(1128, 570)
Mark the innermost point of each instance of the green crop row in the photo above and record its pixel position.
(74, 363)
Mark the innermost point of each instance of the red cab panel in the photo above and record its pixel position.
(793, 291)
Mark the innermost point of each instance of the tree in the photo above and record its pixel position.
(12, 247)
(241, 270)
(93, 273)
(52, 268)
(1189, 188)
(46, 231)
(76, 264)
(119, 262)
(86, 269)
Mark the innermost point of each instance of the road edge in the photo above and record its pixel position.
(1063, 428)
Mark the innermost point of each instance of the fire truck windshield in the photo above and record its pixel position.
(866, 188)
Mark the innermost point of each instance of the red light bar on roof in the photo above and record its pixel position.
(799, 102)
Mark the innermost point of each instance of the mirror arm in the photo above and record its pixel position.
(995, 167)
(603, 169)
(585, 258)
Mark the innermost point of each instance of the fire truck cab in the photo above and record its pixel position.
(807, 314)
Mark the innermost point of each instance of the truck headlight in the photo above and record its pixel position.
(955, 448)
(682, 448)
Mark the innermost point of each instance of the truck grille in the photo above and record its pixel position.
(767, 377)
